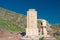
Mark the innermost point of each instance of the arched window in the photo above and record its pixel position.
(41, 23)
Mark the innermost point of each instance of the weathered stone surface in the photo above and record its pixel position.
(50, 38)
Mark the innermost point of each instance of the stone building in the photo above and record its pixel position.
(32, 29)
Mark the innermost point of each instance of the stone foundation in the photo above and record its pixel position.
(32, 32)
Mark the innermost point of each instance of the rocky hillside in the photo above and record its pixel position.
(18, 19)
(11, 21)
(56, 26)
(56, 29)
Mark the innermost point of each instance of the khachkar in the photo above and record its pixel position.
(32, 29)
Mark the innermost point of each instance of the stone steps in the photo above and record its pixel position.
(49, 38)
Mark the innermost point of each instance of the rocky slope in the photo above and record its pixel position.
(18, 19)
(13, 16)
(11, 21)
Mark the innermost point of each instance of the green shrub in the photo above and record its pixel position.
(42, 38)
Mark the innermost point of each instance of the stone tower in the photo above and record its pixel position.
(32, 29)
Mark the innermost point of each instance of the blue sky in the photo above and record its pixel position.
(47, 9)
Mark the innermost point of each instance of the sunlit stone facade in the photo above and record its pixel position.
(43, 29)
(32, 29)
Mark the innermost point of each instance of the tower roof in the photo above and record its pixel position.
(31, 9)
